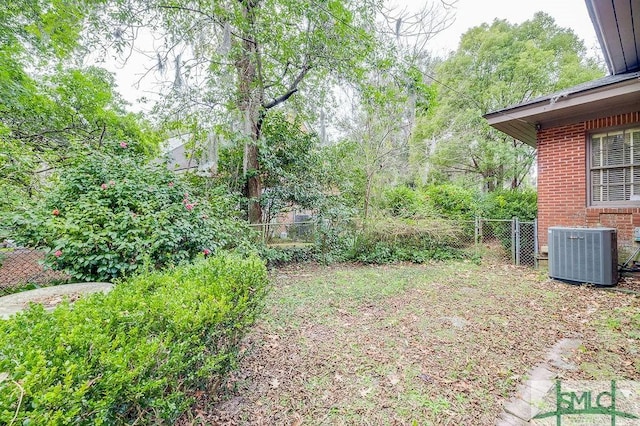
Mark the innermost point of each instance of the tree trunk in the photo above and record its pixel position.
(253, 186)
(367, 195)
(250, 96)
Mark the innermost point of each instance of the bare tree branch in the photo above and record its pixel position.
(293, 88)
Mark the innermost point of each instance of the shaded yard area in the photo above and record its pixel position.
(442, 343)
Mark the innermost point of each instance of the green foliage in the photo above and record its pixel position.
(332, 241)
(522, 204)
(40, 28)
(383, 240)
(417, 225)
(262, 59)
(278, 256)
(337, 232)
(402, 201)
(48, 120)
(344, 174)
(291, 166)
(387, 240)
(495, 66)
(48, 111)
(453, 202)
(135, 355)
(108, 213)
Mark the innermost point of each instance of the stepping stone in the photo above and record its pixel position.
(540, 376)
(561, 349)
(50, 297)
(507, 419)
(520, 409)
(533, 392)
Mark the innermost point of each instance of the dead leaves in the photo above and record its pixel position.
(296, 419)
(463, 336)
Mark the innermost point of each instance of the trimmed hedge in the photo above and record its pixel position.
(135, 355)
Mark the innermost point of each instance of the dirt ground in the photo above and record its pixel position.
(443, 343)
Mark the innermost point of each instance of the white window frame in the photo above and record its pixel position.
(603, 163)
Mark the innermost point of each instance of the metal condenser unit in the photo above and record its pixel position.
(585, 255)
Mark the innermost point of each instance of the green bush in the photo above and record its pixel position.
(382, 240)
(135, 355)
(279, 256)
(522, 204)
(453, 202)
(108, 214)
(402, 201)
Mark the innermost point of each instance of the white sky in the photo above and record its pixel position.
(468, 13)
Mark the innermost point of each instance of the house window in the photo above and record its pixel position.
(615, 167)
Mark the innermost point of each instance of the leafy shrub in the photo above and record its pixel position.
(108, 214)
(453, 202)
(402, 201)
(522, 204)
(394, 240)
(278, 256)
(135, 355)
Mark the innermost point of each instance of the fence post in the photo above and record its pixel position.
(513, 240)
(535, 242)
(516, 227)
(478, 235)
(476, 231)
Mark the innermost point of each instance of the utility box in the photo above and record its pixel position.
(584, 255)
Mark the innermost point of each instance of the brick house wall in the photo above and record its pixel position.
(562, 181)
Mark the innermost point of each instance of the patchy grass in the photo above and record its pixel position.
(442, 343)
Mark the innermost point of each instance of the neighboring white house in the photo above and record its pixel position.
(184, 154)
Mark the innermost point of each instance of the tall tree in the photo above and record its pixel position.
(387, 100)
(249, 56)
(495, 66)
(48, 110)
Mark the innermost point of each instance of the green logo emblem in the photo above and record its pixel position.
(585, 403)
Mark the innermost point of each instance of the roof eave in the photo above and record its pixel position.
(599, 29)
(522, 122)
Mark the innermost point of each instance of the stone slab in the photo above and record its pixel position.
(563, 348)
(507, 419)
(541, 373)
(521, 409)
(17, 302)
(533, 392)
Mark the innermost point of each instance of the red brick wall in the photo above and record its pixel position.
(562, 181)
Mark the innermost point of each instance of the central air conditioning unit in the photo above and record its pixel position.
(585, 255)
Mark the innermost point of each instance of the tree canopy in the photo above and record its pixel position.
(50, 108)
(495, 66)
(247, 57)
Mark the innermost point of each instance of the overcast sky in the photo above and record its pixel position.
(468, 13)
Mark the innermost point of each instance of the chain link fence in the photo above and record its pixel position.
(21, 266)
(500, 240)
(287, 233)
(497, 240)
(512, 241)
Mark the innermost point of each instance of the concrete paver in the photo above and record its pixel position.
(524, 405)
(17, 302)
